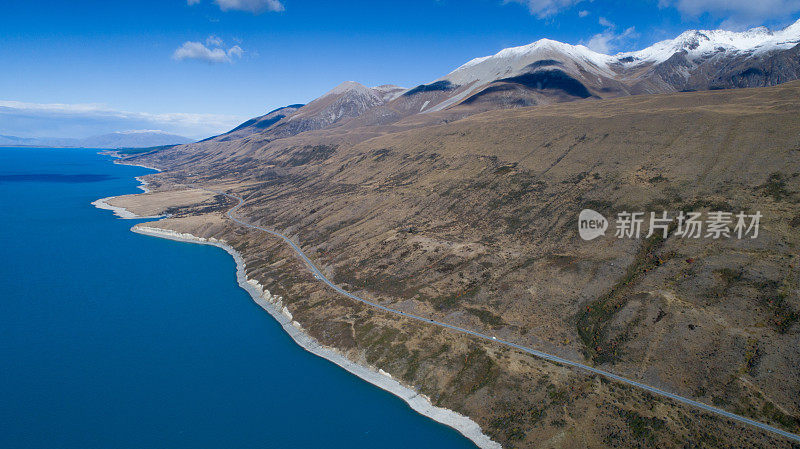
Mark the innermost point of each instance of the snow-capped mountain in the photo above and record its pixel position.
(701, 60)
(542, 65)
(701, 44)
(548, 71)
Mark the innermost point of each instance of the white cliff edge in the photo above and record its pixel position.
(275, 307)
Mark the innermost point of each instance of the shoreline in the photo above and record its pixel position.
(142, 184)
(158, 170)
(274, 306)
(121, 212)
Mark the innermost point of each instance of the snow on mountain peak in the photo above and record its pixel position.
(349, 86)
(514, 60)
(793, 28)
(697, 43)
(590, 66)
(541, 45)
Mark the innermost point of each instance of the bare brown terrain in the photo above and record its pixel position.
(473, 221)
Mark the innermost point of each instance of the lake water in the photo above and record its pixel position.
(110, 339)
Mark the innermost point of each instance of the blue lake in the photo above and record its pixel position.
(110, 339)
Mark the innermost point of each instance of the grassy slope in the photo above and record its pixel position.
(474, 222)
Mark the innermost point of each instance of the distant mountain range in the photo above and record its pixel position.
(548, 71)
(123, 139)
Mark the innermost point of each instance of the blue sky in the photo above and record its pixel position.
(197, 67)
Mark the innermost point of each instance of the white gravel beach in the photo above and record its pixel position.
(120, 212)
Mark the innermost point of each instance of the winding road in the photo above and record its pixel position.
(534, 352)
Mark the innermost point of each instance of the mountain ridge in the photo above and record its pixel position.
(660, 68)
(548, 71)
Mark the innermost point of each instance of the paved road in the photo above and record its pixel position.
(536, 353)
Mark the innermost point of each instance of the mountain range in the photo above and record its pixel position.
(548, 71)
(122, 139)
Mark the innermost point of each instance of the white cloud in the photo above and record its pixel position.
(52, 107)
(214, 41)
(212, 51)
(196, 50)
(235, 51)
(736, 13)
(545, 8)
(609, 40)
(253, 6)
(82, 120)
(605, 22)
